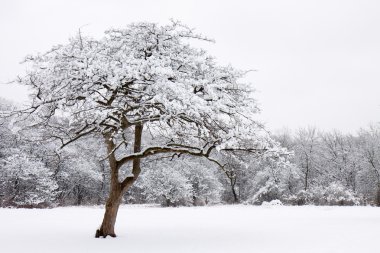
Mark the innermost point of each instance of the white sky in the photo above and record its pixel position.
(317, 62)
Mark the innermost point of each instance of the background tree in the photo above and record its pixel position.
(339, 159)
(26, 182)
(369, 141)
(307, 148)
(188, 181)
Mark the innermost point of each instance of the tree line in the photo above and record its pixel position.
(321, 168)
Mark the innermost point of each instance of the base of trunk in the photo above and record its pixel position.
(108, 225)
(100, 233)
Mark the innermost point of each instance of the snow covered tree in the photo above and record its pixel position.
(369, 143)
(340, 159)
(79, 174)
(145, 79)
(275, 178)
(26, 182)
(166, 186)
(307, 148)
(7, 136)
(205, 186)
(186, 182)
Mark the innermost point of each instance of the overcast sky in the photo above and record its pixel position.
(317, 62)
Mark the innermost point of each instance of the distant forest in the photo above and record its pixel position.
(318, 168)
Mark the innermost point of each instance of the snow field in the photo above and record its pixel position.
(259, 229)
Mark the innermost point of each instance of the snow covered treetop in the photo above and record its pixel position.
(143, 74)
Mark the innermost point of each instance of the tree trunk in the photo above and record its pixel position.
(109, 219)
(233, 190)
(377, 196)
(236, 199)
(115, 195)
(307, 175)
(118, 189)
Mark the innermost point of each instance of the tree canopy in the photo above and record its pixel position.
(144, 74)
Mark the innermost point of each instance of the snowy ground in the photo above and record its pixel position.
(203, 229)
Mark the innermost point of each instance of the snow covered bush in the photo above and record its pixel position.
(334, 194)
(267, 193)
(276, 179)
(309, 197)
(337, 194)
(274, 202)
